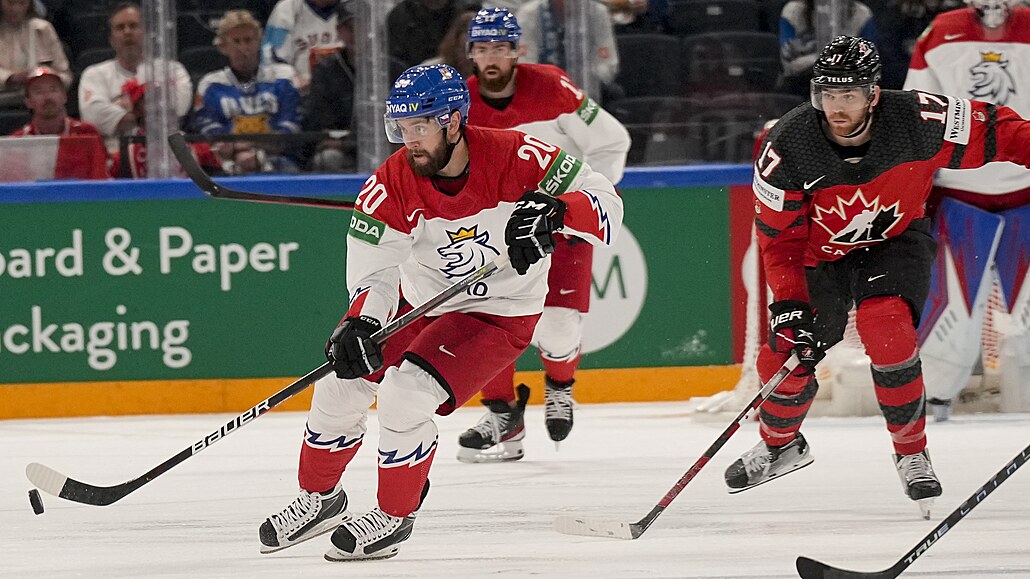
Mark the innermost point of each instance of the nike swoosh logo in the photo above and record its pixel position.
(444, 350)
(809, 185)
(565, 292)
(413, 214)
(953, 36)
(876, 277)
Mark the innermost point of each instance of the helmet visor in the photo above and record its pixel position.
(411, 129)
(841, 98)
(492, 50)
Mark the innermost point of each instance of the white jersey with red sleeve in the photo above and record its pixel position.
(550, 107)
(407, 235)
(958, 56)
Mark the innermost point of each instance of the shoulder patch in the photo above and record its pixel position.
(366, 228)
(956, 126)
(770, 196)
(560, 174)
(588, 110)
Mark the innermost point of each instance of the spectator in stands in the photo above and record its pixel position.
(799, 41)
(300, 33)
(330, 100)
(543, 35)
(101, 100)
(247, 96)
(453, 49)
(899, 23)
(415, 27)
(82, 156)
(26, 42)
(135, 164)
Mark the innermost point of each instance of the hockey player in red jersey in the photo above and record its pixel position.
(982, 52)
(441, 207)
(840, 186)
(540, 100)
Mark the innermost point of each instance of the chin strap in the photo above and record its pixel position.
(451, 146)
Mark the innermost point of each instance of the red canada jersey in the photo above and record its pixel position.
(405, 233)
(813, 206)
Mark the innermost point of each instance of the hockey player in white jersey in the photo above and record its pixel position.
(540, 100)
(978, 52)
(448, 202)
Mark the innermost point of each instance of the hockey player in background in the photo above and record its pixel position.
(979, 52)
(447, 203)
(540, 100)
(840, 186)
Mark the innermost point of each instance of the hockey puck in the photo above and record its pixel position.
(36, 501)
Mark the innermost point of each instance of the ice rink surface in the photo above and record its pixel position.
(200, 520)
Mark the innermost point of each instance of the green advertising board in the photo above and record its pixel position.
(196, 288)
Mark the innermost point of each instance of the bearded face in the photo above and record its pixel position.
(429, 156)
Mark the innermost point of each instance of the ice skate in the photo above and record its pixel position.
(498, 436)
(308, 516)
(374, 535)
(558, 405)
(763, 463)
(941, 409)
(918, 479)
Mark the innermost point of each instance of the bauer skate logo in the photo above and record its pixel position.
(230, 426)
(467, 252)
(992, 81)
(857, 221)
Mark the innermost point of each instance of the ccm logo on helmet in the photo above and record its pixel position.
(402, 108)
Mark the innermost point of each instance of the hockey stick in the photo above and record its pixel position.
(592, 527)
(181, 150)
(57, 484)
(812, 569)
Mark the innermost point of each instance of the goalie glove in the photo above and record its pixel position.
(351, 349)
(530, 230)
(791, 329)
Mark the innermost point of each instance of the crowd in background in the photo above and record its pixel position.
(686, 76)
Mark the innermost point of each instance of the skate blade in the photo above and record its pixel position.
(734, 491)
(337, 556)
(329, 525)
(925, 507)
(503, 452)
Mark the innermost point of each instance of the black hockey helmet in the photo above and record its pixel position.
(846, 62)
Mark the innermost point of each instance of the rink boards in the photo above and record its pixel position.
(146, 297)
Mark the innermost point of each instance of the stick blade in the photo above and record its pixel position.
(812, 569)
(52, 482)
(593, 527)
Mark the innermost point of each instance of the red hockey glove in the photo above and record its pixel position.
(351, 349)
(791, 330)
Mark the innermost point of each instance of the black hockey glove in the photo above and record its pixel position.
(791, 329)
(530, 230)
(351, 349)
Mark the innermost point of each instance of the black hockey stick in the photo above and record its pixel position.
(184, 154)
(812, 569)
(57, 484)
(592, 527)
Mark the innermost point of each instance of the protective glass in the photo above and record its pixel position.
(841, 98)
(411, 129)
(492, 50)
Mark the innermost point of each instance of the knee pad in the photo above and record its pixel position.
(885, 326)
(339, 409)
(408, 398)
(559, 333)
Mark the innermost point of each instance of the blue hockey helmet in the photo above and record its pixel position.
(433, 91)
(494, 25)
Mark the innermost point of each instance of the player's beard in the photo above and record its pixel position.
(495, 83)
(848, 129)
(430, 161)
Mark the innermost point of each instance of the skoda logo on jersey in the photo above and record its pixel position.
(992, 82)
(467, 251)
(857, 221)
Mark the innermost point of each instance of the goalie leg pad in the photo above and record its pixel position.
(885, 326)
(1013, 263)
(960, 284)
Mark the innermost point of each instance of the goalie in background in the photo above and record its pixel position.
(982, 218)
(444, 205)
(840, 186)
